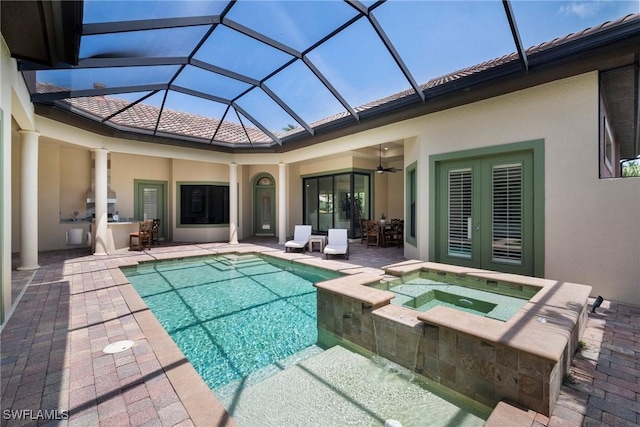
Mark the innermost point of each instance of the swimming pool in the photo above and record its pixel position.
(232, 315)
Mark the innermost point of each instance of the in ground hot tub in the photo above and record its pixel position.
(424, 290)
(435, 297)
(521, 356)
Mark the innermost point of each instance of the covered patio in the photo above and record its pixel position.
(72, 307)
(232, 122)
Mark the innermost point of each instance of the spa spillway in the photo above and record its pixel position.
(487, 335)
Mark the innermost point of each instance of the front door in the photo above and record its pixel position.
(485, 213)
(150, 203)
(264, 212)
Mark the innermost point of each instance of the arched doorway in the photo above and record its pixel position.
(264, 203)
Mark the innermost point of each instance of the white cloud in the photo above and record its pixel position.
(582, 9)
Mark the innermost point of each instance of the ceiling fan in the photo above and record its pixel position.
(380, 169)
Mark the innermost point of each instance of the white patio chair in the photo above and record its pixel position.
(301, 235)
(337, 243)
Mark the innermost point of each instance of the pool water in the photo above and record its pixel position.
(232, 315)
(339, 387)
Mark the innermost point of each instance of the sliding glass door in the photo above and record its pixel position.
(325, 204)
(337, 201)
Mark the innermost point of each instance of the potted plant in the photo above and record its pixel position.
(383, 218)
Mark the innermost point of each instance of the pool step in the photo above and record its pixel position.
(227, 392)
(339, 387)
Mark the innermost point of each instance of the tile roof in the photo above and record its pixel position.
(172, 122)
(145, 117)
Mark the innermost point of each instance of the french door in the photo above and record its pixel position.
(150, 203)
(485, 213)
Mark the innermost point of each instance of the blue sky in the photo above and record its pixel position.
(433, 38)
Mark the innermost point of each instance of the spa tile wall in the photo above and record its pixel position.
(484, 371)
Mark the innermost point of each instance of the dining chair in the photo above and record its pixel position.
(393, 233)
(373, 233)
(363, 230)
(155, 231)
(143, 235)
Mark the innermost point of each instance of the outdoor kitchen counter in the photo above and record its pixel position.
(117, 235)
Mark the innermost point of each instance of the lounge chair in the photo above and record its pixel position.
(337, 243)
(301, 235)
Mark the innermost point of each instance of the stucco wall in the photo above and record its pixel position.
(395, 191)
(591, 231)
(591, 225)
(244, 199)
(5, 182)
(380, 195)
(324, 165)
(295, 199)
(201, 172)
(411, 156)
(125, 168)
(75, 180)
(13, 196)
(50, 234)
(64, 176)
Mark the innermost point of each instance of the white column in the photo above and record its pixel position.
(29, 201)
(233, 204)
(5, 192)
(100, 191)
(282, 203)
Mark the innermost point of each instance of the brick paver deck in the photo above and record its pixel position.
(603, 386)
(53, 364)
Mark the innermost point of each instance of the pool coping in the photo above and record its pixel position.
(199, 401)
(202, 405)
(524, 358)
(547, 317)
